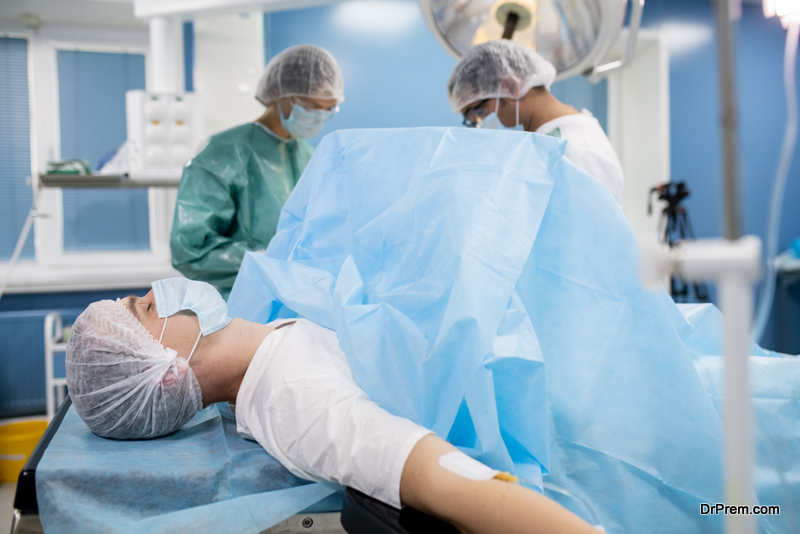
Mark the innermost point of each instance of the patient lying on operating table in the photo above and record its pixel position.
(495, 286)
(142, 367)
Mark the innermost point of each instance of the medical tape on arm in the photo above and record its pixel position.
(462, 465)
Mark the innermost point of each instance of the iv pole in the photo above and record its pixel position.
(734, 264)
(736, 298)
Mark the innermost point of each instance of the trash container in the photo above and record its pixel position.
(17, 441)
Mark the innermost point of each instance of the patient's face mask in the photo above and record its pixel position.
(178, 294)
(492, 121)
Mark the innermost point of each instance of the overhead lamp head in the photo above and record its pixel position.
(512, 17)
(574, 35)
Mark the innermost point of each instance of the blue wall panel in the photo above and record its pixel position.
(70, 299)
(22, 382)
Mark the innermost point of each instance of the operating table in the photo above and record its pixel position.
(359, 514)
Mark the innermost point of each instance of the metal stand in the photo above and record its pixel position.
(54, 344)
(734, 265)
(105, 181)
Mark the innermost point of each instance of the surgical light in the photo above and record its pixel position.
(574, 35)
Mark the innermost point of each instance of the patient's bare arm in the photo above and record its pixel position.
(474, 507)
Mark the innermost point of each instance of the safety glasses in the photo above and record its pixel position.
(308, 106)
(474, 114)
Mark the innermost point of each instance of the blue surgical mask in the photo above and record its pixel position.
(178, 294)
(492, 121)
(305, 123)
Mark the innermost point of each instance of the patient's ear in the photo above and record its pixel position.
(175, 372)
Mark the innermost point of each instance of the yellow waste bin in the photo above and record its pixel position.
(17, 441)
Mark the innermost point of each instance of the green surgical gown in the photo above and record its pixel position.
(229, 200)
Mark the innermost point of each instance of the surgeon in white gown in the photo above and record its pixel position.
(503, 84)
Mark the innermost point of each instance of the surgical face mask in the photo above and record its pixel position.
(305, 123)
(492, 121)
(177, 294)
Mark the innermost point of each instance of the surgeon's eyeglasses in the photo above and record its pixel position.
(474, 114)
(310, 106)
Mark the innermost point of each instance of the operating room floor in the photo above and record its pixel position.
(6, 505)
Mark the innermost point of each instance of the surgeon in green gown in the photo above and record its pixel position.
(232, 192)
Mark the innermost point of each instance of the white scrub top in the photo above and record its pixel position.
(299, 401)
(589, 148)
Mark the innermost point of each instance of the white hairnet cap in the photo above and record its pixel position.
(123, 383)
(501, 68)
(303, 70)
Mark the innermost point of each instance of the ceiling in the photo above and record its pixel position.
(104, 13)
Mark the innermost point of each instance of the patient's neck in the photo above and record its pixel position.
(221, 359)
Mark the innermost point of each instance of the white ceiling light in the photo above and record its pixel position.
(387, 19)
(686, 37)
(787, 10)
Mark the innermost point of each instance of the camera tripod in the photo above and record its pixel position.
(675, 226)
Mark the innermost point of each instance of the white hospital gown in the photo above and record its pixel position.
(299, 401)
(589, 148)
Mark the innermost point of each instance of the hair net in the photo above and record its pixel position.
(494, 69)
(123, 383)
(303, 70)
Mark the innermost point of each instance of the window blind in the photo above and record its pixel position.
(92, 88)
(15, 146)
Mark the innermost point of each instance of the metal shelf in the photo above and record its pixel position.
(106, 181)
(56, 386)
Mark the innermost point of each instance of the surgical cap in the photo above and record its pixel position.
(493, 69)
(303, 70)
(123, 383)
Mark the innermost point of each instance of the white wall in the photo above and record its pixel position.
(639, 126)
(229, 60)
